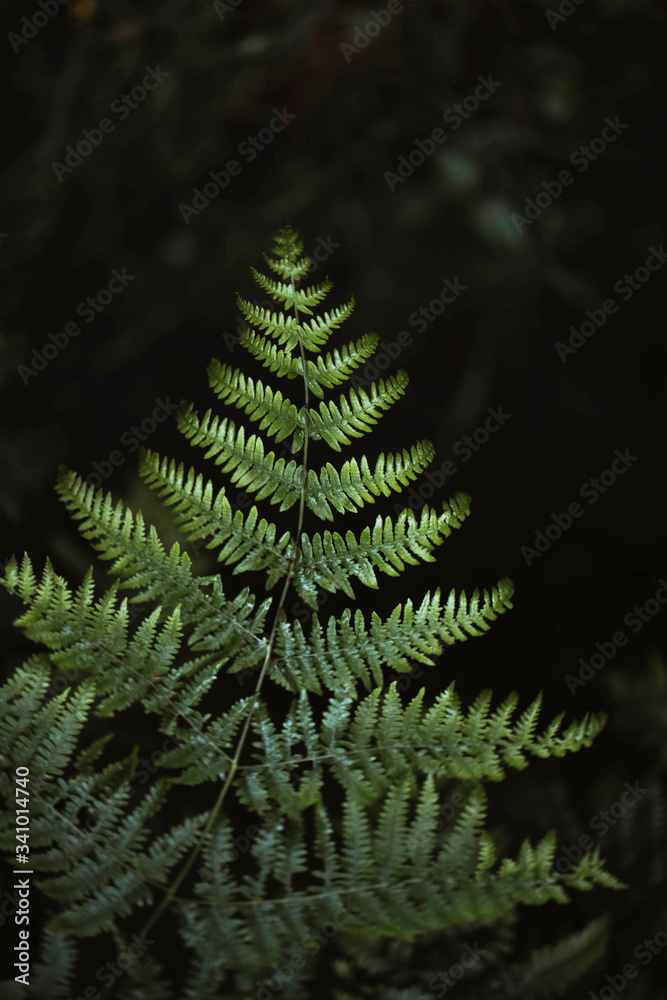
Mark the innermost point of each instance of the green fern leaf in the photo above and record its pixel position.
(264, 814)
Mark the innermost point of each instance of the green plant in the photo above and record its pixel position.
(324, 789)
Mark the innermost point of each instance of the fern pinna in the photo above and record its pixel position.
(344, 780)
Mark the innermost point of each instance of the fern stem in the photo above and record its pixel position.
(170, 894)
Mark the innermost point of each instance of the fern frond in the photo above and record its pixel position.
(255, 471)
(277, 415)
(352, 416)
(302, 298)
(289, 266)
(551, 970)
(348, 651)
(140, 560)
(397, 904)
(245, 461)
(317, 331)
(329, 370)
(139, 556)
(284, 329)
(329, 560)
(355, 414)
(43, 741)
(383, 743)
(243, 540)
(355, 484)
(346, 792)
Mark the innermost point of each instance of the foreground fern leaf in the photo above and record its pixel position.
(344, 779)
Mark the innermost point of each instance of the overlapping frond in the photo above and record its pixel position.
(285, 259)
(337, 657)
(376, 889)
(370, 745)
(283, 328)
(244, 541)
(115, 867)
(550, 971)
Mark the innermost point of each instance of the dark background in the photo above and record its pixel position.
(356, 114)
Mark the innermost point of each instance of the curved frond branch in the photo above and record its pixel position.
(329, 560)
(328, 371)
(289, 267)
(351, 417)
(140, 560)
(245, 461)
(355, 484)
(279, 326)
(355, 414)
(285, 292)
(277, 415)
(279, 481)
(347, 651)
(243, 540)
(317, 331)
